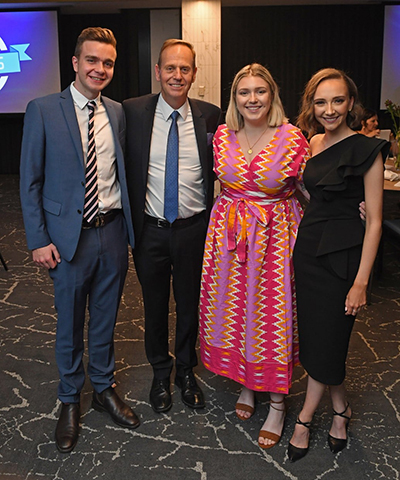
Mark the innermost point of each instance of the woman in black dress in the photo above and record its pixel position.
(334, 253)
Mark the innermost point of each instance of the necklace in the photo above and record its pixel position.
(250, 150)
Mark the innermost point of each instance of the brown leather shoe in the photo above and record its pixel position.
(67, 429)
(120, 413)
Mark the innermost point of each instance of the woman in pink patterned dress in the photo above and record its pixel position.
(248, 328)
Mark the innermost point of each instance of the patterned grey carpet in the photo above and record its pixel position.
(206, 445)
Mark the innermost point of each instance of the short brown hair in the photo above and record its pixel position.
(96, 34)
(176, 41)
(276, 114)
(306, 119)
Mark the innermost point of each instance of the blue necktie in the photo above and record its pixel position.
(171, 171)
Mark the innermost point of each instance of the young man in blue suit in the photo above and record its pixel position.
(171, 246)
(78, 223)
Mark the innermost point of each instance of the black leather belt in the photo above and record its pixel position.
(180, 222)
(101, 219)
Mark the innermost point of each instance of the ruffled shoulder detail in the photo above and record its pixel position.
(356, 155)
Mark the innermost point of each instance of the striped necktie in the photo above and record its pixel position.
(91, 206)
(171, 171)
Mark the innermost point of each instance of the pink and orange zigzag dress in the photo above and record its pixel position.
(248, 325)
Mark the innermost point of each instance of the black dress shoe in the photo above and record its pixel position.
(191, 394)
(67, 429)
(160, 395)
(120, 413)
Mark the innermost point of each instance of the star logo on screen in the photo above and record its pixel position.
(10, 61)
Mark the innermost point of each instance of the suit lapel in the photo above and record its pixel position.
(200, 128)
(147, 130)
(112, 116)
(67, 106)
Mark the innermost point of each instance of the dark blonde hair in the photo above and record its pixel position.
(95, 34)
(306, 119)
(176, 41)
(276, 114)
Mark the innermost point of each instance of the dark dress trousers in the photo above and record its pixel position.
(93, 261)
(160, 253)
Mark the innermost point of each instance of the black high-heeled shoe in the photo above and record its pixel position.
(296, 453)
(338, 444)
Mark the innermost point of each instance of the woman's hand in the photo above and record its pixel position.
(356, 299)
(302, 189)
(374, 133)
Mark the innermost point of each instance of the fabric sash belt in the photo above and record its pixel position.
(238, 211)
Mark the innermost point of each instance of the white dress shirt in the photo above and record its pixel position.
(107, 182)
(191, 183)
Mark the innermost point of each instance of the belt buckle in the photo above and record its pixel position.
(99, 221)
(162, 223)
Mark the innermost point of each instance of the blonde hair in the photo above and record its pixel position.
(276, 115)
(176, 41)
(306, 119)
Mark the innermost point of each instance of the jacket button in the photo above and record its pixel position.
(83, 184)
(79, 211)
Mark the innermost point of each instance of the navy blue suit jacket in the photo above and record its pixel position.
(52, 185)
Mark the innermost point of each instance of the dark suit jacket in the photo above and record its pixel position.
(139, 114)
(53, 172)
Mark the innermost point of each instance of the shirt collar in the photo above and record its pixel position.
(80, 100)
(166, 109)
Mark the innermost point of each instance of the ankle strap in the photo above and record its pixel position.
(277, 403)
(343, 413)
(305, 424)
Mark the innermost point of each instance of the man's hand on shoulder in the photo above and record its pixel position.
(47, 256)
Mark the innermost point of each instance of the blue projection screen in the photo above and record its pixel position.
(391, 56)
(29, 58)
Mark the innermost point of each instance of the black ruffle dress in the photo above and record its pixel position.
(328, 251)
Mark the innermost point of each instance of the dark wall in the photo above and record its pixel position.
(10, 141)
(295, 42)
(132, 30)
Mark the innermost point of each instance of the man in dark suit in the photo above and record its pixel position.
(171, 244)
(78, 221)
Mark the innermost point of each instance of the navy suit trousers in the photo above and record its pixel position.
(94, 277)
